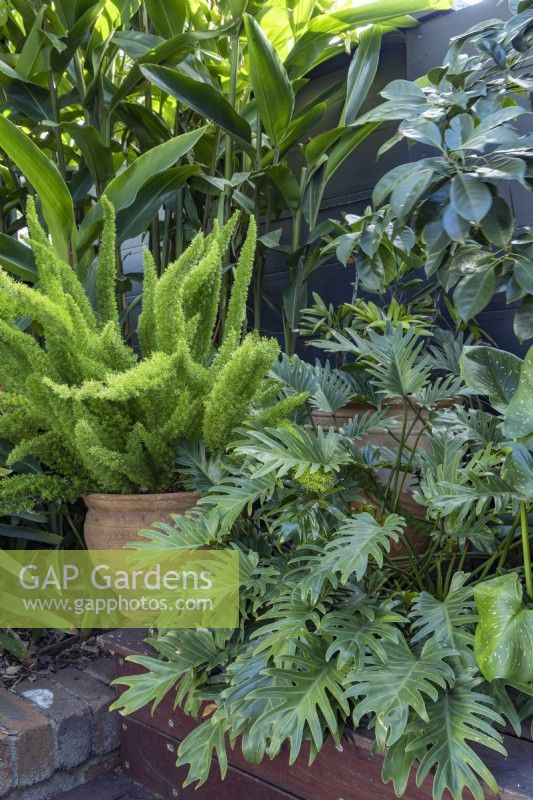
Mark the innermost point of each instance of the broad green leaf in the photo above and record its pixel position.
(301, 697)
(493, 373)
(348, 142)
(29, 98)
(361, 73)
(361, 537)
(202, 97)
(17, 259)
(461, 715)
(286, 183)
(449, 621)
(504, 634)
(401, 682)
(123, 189)
(97, 156)
(167, 16)
(135, 219)
(519, 415)
(517, 470)
(58, 209)
(408, 191)
(455, 226)
(474, 292)
(389, 181)
(523, 273)
(470, 197)
(498, 224)
(523, 320)
(270, 82)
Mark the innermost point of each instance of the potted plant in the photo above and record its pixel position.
(105, 418)
(335, 630)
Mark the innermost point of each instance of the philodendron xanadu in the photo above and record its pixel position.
(339, 627)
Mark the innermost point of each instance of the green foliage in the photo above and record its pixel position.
(79, 399)
(127, 101)
(342, 620)
(504, 636)
(468, 112)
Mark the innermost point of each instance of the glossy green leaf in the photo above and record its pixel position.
(523, 320)
(361, 73)
(408, 191)
(519, 415)
(17, 259)
(474, 292)
(202, 97)
(58, 210)
(167, 16)
(504, 634)
(517, 470)
(470, 197)
(492, 373)
(270, 82)
(135, 219)
(123, 189)
(96, 155)
(498, 224)
(523, 273)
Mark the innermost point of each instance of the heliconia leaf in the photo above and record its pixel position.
(270, 82)
(58, 209)
(361, 73)
(17, 259)
(202, 98)
(167, 16)
(124, 188)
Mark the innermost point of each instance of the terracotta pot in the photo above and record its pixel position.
(391, 408)
(113, 520)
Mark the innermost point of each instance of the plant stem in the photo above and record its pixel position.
(526, 549)
(57, 128)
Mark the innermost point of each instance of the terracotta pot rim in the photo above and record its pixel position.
(165, 498)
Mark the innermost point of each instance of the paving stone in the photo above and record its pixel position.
(98, 697)
(103, 669)
(69, 717)
(31, 738)
(6, 764)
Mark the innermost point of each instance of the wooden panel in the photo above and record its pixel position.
(149, 757)
(110, 787)
(351, 772)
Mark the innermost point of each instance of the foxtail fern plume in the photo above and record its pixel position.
(97, 415)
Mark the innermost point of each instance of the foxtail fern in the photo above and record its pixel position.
(96, 414)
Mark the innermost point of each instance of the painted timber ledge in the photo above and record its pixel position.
(352, 772)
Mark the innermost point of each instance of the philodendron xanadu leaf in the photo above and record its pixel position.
(491, 372)
(519, 415)
(504, 635)
(404, 682)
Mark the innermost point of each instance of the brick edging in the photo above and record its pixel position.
(57, 732)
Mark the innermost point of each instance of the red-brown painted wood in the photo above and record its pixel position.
(351, 772)
(149, 757)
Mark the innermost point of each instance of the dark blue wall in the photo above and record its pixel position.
(409, 54)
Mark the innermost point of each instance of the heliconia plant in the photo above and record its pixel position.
(99, 415)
